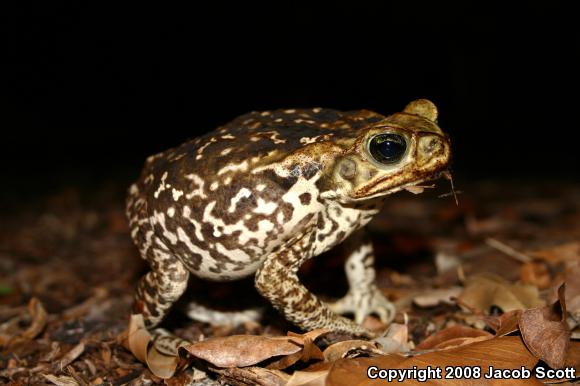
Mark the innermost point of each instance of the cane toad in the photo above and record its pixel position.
(268, 191)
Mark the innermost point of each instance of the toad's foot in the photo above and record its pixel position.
(363, 303)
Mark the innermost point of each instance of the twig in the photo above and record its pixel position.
(447, 174)
(509, 251)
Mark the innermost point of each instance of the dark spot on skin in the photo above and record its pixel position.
(284, 182)
(309, 170)
(312, 237)
(287, 210)
(320, 224)
(305, 198)
(246, 204)
(193, 260)
(295, 170)
(207, 229)
(252, 224)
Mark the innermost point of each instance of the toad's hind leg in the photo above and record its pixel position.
(161, 287)
(167, 280)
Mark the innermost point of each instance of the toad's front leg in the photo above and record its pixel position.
(277, 281)
(363, 297)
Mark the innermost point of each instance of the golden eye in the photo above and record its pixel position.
(387, 148)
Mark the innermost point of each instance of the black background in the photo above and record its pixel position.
(90, 90)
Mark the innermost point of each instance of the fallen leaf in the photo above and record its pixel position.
(314, 375)
(504, 324)
(63, 380)
(573, 356)
(257, 376)
(70, 356)
(309, 352)
(572, 278)
(536, 274)
(453, 336)
(38, 316)
(545, 331)
(350, 349)
(139, 341)
(563, 252)
(373, 323)
(507, 352)
(486, 290)
(434, 297)
(395, 340)
(35, 318)
(242, 350)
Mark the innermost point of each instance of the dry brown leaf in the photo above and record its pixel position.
(140, 342)
(38, 316)
(313, 335)
(309, 352)
(373, 323)
(572, 278)
(7, 312)
(453, 336)
(434, 297)
(63, 380)
(242, 350)
(563, 252)
(395, 340)
(314, 375)
(573, 356)
(35, 318)
(486, 290)
(350, 349)
(536, 274)
(254, 376)
(70, 356)
(545, 331)
(504, 324)
(507, 352)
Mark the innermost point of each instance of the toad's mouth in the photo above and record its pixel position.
(416, 186)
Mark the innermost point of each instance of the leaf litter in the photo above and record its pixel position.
(464, 301)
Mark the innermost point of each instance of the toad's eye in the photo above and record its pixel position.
(387, 148)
